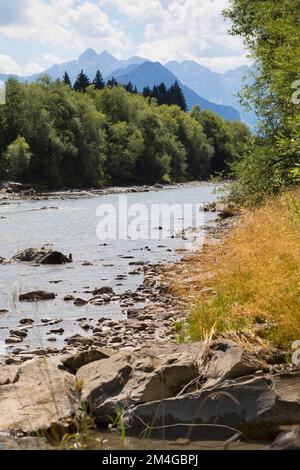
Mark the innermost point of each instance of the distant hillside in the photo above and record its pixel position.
(89, 61)
(200, 85)
(220, 88)
(153, 73)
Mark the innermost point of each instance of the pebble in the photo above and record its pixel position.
(26, 321)
(13, 340)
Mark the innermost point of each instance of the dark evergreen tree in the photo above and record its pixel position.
(177, 97)
(82, 82)
(162, 94)
(66, 79)
(129, 87)
(98, 81)
(112, 83)
(147, 92)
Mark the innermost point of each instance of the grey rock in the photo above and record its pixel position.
(36, 295)
(26, 321)
(287, 441)
(41, 256)
(75, 361)
(228, 360)
(103, 290)
(13, 340)
(256, 406)
(80, 302)
(131, 378)
(36, 396)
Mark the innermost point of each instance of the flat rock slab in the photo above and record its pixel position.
(229, 361)
(36, 396)
(75, 361)
(126, 379)
(255, 406)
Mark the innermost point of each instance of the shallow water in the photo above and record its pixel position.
(70, 226)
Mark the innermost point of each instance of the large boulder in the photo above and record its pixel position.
(255, 406)
(36, 397)
(45, 255)
(127, 379)
(229, 360)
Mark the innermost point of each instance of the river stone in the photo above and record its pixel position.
(80, 359)
(103, 290)
(36, 295)
(127, 379)
(256, 406)
(41, 256)
(13, 340)
(36, 397)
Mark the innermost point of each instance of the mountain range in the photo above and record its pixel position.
(201, 86)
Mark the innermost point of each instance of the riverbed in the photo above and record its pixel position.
(70, 225)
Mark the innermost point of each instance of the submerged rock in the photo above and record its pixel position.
(103, 290)
(41, 256)
(36, 295)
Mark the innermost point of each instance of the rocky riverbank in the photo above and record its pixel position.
(214, 389)
(17, 191)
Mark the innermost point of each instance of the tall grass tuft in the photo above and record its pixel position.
(251, 280)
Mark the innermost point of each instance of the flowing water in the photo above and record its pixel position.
(70, 226)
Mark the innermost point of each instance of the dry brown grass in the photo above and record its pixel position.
(251, 280)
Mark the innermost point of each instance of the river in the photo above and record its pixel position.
(70, 224)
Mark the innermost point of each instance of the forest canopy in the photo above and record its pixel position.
(54, 136)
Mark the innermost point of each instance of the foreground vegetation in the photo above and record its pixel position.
(270, 30)
(250, 282)
(54, 136)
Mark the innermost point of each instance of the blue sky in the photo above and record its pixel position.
(35, 34)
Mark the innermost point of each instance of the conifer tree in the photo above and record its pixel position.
(82, 82)
(98, 81)
(147, 92)
(177, 97)
(129, 87)
(112, 83)
(66, 79)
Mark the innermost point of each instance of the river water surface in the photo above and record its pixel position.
(70, 226)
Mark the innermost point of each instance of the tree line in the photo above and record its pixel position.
(163, 95)
(54, 135)
(270, 30)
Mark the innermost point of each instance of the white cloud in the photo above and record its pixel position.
(8, 65)
(145, 10)
(70, 26)
(191, 29)
(173, 29)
